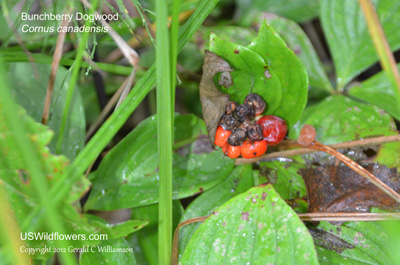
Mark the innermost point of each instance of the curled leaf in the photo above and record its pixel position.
(213, 101)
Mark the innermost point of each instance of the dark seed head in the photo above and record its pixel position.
(237, 137)
(245, 112)
(229, 122)
(255, 132)
(257, 102)
(230, 107)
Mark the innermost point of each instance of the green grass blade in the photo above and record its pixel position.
(164, 134)
(74, 78)
(118, 118)
(10, 56)
(174, 47)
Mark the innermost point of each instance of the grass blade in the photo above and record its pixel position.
(164, 134)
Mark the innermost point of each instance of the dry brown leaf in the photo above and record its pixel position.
(213, 101)
(339, 189)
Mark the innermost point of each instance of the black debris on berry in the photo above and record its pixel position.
(256, 101)
(230, 107)
(237, 137)
(245, 124)
(255, 132)
(245, 112)
(229, 122)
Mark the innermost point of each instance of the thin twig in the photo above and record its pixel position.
(357, 168)
(307, 139)
(381, 44)
(53, 72)
(347, 217)
(128, 52)
(126, 89)
(303, 151)
(128, 82)
(146, 22)
(175, 244)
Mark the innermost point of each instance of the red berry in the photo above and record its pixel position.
(274, 129)
(307, 135)
(253, 149)
(221, 136)
(231, 151)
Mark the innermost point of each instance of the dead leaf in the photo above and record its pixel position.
(213, 101)
(337, 188)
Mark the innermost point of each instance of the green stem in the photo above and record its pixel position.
(74, 79)
(17, 56)
(164, 134)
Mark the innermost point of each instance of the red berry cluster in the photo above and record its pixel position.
(243, 131)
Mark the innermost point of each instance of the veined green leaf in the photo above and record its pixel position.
(290, 70)
(239, 181)
(128, 175)
(349, 40)
(256, 227)
(378, 91)
(339, 118)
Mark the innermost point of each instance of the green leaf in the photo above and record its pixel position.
(30, 92)
(17, 180)
(299, 42)
(128, 175)
(338, 119)
(297, 10)
(290, 70)
(145, 241)
(114, 231)
(284, 177)
(378, 91)
(114, 251)
(256, 227)
(249, 75)
(388, 155)
(239, 181)
(350, 43)
(368, 238)
(240, 35)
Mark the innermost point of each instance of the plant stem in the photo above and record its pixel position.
(357, 168)
(347, 217)
(381, 45)
(74, 79)
(53, 72)
(164, 134)
(303, 151)
(176, 236)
